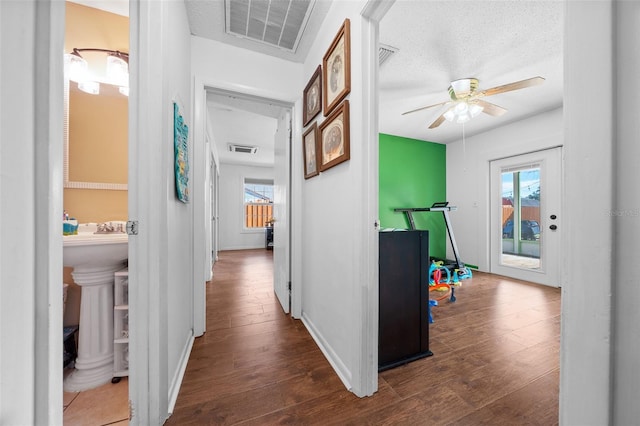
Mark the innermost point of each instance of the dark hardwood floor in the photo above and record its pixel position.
(496, 360)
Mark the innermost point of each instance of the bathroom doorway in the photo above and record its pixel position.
(95, 171)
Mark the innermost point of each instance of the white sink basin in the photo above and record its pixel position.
(88, 250)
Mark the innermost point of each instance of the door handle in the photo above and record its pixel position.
(553, 227)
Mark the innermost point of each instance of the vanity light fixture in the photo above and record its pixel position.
(117, 71)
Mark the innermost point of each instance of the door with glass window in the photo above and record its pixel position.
(526, 216)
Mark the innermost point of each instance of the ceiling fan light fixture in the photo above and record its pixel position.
(449, 115)
(463, 118)
(463, 87)
(461, 108)
(475, 109)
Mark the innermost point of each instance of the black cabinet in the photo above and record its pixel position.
(268, 238)
(403, 330)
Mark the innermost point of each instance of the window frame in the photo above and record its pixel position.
(257, 181)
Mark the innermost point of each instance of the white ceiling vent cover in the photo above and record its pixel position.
(384, 52)
(278, 23)
(244, 149)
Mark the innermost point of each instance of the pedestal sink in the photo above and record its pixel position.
(95, 258)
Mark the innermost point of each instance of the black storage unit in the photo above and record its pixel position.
(268, 238)
(403, 330)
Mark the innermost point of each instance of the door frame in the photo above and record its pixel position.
(282, 246)
(201, 88)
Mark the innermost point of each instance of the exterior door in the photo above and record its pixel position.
(526, 215)
(281, 191)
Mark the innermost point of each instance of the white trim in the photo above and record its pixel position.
(340, 368)
(295, 222)
(148, 381)
(258, 95)
(176, 383)
(367, 374)
(48, 145)
(199, 211)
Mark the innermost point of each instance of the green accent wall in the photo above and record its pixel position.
(412, 173)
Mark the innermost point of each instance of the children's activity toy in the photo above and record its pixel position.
(444, 276)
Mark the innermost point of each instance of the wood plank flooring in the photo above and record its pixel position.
(496, 360)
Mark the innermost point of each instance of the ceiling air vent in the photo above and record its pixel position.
(274, 22)
(244, 149)
(385, 52)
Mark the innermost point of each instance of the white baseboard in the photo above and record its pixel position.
(341, 370)
(179, 374)
(251, 247)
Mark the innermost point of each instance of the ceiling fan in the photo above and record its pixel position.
(467, 101)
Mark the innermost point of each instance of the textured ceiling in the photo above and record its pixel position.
(497, 42)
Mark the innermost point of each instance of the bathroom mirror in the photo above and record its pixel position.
(96, 156)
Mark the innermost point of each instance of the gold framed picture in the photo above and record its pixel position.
(334, 137)
(336, 69)
(310, 143)
(312, 97)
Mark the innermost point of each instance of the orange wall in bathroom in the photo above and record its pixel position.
(98, 124)
(98, 138)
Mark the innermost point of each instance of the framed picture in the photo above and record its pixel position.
(334, 138)
(336, 69)
(181, 154)
(310, 144)
(312, 97)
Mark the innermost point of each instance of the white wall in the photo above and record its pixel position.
(626, 218)
(177, 87)
(31, 117)
(334, 222)
(586, 328)
(468, 177)
(233, 235)
(231, 68)
(161, 266)
(248, 73)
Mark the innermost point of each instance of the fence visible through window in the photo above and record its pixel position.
(258, 202)
(257, 214)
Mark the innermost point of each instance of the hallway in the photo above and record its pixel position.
(496, 359)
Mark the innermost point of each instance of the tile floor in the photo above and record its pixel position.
(105, 405)
(520, 261)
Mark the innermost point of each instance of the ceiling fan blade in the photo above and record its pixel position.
(438, 121)
(425, 107)
(491, 109)
(512, 86)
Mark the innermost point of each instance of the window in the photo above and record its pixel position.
(258, 202)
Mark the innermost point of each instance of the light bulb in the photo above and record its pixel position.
(91, 87)
(475, 109)
(463, 118)
(449, 115)
(75, 67)
(462, 108)
(117, 71)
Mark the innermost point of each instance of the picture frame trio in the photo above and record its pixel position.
(328, 144)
